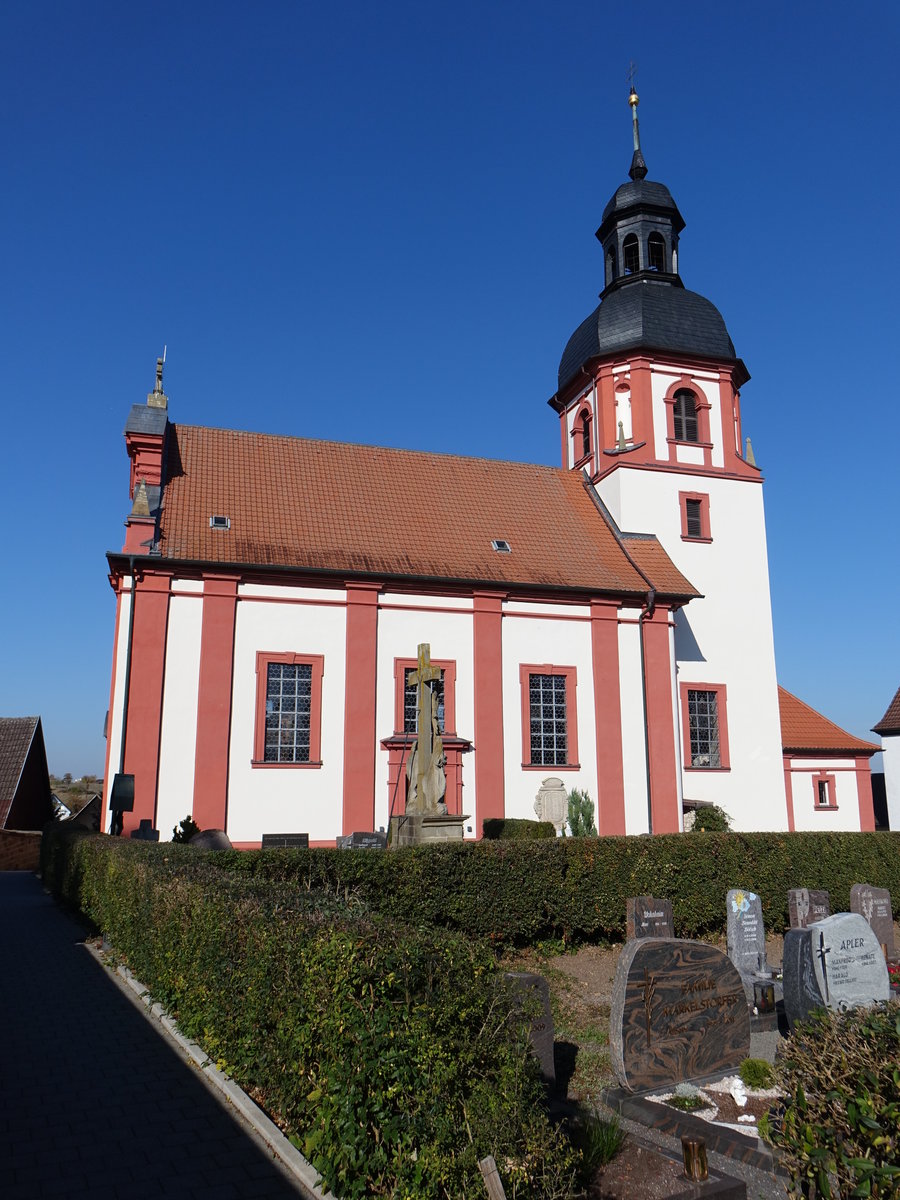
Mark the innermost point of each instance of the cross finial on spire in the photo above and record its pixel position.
(158, 398)
(638, 168)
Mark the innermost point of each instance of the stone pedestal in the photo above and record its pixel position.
(414, 829)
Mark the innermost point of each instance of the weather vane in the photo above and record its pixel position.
(632, 71)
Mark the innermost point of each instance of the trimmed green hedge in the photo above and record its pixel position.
(575, 888)
(388, 1053)
(517, 829)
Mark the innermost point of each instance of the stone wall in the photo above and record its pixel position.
(20, 850)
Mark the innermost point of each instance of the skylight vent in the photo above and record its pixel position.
(502, 545)
(219, 522)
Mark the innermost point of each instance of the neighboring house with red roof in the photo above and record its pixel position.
(24, 778)
(827, 776)
(607, 622)
(888, 729)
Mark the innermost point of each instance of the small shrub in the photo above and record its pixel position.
(184, 831)
(581, 814)
(711, 819)
(838, 1133)
(755, 1073)
(517, 829)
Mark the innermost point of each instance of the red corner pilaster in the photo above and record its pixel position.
(789, 793)
(660, 722)
(150, 597)
(359, 707)
(642, 405)
(214, 701)
(864, 792)
(608, 717)
(488, 652)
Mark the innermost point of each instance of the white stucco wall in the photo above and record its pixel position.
(178, 733)
(807, 816)
(634, 751)
(114, 724)
(287, 799)
(890, 752)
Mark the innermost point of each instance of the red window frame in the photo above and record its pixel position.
(703, 498)
(702, 407)
(317, 662)
(448, 666)
(526, 670)
(584, 417)
(831, 788)
(722, 716)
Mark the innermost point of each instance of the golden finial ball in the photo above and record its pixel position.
(633, 98)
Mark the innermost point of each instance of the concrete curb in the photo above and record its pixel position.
(282, 1149)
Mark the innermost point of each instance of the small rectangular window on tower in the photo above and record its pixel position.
(694, 516)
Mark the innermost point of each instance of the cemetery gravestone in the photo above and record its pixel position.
(646, 916)
(362, 841)
(211, 839)
(875, 905)
(836, 963)
(678, 1013)
(285, 841)
(805, 906)
(145, 831)
(534, 990)
(747, 937)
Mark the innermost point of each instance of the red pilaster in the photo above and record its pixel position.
(488, 650)
(608, 717)
(214, 702)
(642, 405)
(145, 696)
(789, 793)
(660, 722)
(864, 792)
(359, 707)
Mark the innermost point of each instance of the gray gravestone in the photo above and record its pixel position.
(678, 1013)
(211, 839)
(534, 991)
(836, 963)
(285, 841)
(646, 916)
(145, 831)
(747, 937)
(805, 906)
(875, 905)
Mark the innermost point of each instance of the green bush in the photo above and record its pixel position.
(755, 1073)
(839, 1133)
(185, 830)
(711, 819)
(517, 829)
(574, 889)
(581, 814)
(391, 1055)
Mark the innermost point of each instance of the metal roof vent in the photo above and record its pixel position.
(502, 545)
(220, 522)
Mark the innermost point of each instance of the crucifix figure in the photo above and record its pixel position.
(425, 766)
(820, 954)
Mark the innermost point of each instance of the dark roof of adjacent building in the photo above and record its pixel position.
(803, 730)
(334, 507)
(890, 722)
(16, 736)
(653, 315)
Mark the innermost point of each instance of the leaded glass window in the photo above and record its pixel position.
(547, 701)
(288, 710)
(703, 721)
(410, 702)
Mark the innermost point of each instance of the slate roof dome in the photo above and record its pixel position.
(643, 193)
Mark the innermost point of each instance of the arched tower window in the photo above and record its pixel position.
(585, 434)
(610, 266)
(685, 414)
(656, 252)
(631, 254)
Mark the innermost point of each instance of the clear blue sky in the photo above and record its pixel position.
(374, 222)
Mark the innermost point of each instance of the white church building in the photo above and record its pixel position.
(606, 622)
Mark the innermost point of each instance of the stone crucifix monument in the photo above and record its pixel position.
(426, 818)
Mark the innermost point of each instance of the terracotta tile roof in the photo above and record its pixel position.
(337, 507)
(890, 722)
(16, 734)
(804, 729)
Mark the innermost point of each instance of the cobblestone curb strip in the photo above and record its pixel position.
(284, 1150)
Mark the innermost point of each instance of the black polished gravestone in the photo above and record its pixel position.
(362, 841)
(145, 831)
(747, 938)
(646, 916)
(874, 904)
(836, 964)
(806, 906)
(285, 841)
(678, 1013)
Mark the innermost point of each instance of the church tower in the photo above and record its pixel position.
(649, 405)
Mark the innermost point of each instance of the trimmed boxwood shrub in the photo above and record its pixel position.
(574, 889)
(391, 1055)
(517, 829)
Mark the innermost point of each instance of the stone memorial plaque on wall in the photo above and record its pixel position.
(837, 963)
(552, 803)
(746, 936)
(806, 906)
(875, 905)
(678, 1013)
(534, 991)
(646, 916)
